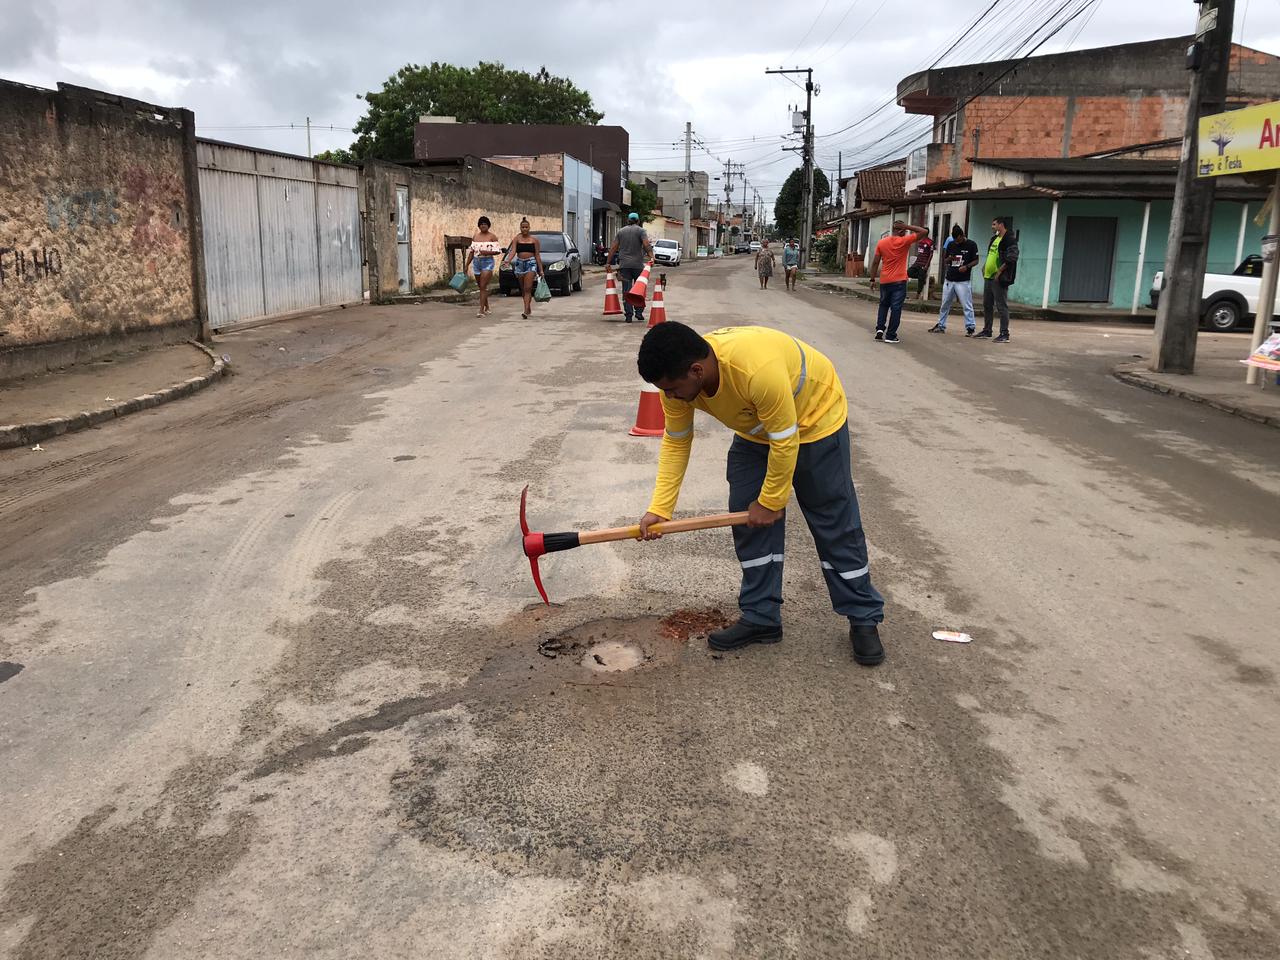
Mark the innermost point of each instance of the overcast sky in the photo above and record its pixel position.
(246, 64)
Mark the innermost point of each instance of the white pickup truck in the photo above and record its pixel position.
(1228, 299)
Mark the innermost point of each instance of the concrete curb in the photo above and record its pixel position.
(1015, 312)
(23, 434)
(1130, 375)
(928, 307)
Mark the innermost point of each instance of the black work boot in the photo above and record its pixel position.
(742, 634)
(866, 644)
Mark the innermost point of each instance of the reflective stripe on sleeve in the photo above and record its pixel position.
(761, 561)
(679, 434)
(847, 575)
(783, 434)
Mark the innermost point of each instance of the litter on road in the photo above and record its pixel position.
(951, 636)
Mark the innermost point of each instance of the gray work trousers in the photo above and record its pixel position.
(823, 484)
(995, 295)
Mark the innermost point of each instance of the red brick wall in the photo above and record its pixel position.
(1037, 126)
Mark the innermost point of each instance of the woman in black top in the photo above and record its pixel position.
(525, 254)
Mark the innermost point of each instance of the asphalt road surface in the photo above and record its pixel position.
(285, 691)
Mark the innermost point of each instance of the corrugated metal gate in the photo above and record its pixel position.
(1088, 260)
(281, 233)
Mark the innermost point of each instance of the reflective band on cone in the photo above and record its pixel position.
(658, 311)
(640, 289)
(612, 305)
(650, 420)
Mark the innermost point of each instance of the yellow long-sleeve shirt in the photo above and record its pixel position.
(774, 390)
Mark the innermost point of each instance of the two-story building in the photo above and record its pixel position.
(1079, 148)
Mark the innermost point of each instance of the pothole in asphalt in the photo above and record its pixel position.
(612, 657)
(615, 645)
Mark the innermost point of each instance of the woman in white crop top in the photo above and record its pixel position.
(481, 259)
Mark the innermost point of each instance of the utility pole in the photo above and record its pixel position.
(688, 159)
(309, 153)
(809, 91)
(1178, 316)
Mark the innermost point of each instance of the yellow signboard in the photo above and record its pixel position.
(1242, 141)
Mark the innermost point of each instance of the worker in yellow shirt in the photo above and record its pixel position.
(785, 403)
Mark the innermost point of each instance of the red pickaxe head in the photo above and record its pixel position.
(536, 544)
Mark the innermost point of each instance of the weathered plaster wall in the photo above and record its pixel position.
(96, 204)
(447, 201)
(380, 180)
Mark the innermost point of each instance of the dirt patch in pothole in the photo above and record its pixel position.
(614, 645)
(683, 624)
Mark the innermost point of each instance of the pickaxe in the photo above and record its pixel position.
(536, 544)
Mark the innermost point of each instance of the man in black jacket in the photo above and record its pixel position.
(999, 272)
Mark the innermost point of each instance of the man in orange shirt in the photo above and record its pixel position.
(892, 250)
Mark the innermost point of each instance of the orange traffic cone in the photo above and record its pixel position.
(612, 305)
(650, 420)
(658, 310)
(640, 289)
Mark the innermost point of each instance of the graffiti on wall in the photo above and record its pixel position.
(87, 208)
(29, 266)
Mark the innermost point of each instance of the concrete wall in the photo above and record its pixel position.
(1032, 218)
(671, 190)
(99, 225)
(603, 147)
(446, 199)
(378, 183)
(544, 166)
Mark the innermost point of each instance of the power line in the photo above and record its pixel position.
(810, 30)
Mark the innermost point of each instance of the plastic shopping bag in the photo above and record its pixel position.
(458, 281)
(542, 292)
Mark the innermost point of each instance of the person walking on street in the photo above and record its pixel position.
(764, 264)
(790, 263)
(481, 259)
(632, 246)
(527, 264)
(999, 272)
(892, 250)
(788, 409)
(961, 255)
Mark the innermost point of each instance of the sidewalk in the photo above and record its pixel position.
(860, 288)
(1218, 382)
(38, 407)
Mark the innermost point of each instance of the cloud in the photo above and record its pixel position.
(246, 65)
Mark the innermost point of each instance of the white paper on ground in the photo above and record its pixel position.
(952, 637)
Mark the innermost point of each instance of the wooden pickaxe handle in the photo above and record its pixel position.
(539, 544)
(632, 532)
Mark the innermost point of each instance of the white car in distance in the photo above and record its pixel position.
(667, 252)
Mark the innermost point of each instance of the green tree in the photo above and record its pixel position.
(485, 93)
(643, 201)
(337, 156)
(787, 214)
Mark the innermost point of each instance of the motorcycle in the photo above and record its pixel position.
(599, 254)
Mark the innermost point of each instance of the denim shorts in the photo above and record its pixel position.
(481, 265)
(523, 265)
